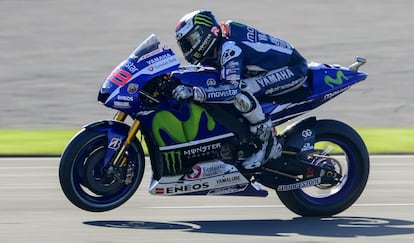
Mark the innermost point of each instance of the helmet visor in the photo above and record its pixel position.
(190, 41)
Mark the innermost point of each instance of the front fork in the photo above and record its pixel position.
(119, 159)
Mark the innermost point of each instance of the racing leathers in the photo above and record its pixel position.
(252, 64)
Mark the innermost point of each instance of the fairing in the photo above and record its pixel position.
(122, 87)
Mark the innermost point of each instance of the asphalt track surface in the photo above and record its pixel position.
(34, 209)
(55, 54)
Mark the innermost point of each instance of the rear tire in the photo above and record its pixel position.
(320, 201)
(82, 177)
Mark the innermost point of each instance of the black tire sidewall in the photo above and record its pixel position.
(68, 161)
(325, 129)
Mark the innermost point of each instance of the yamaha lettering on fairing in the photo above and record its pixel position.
(159, 58)
(284, 87)
(227, 180)
(275, 77)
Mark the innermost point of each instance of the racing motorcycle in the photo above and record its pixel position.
(323, 169)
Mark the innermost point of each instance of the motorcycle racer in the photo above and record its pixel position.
(251, 63)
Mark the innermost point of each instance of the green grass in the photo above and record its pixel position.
(388, 141)
(52, 142)
(34, 142)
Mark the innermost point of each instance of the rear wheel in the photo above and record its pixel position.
(347, 154)
(85, 180)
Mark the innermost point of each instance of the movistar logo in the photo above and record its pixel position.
(180, 131)
(202, 19)
(331, 82)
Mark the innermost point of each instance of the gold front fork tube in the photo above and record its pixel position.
(120, 116)
(120, 160)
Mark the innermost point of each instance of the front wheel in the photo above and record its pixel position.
(350, 159)
(85, 180)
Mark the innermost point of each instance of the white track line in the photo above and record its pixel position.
(279, 206)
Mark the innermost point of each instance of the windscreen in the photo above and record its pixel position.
(150, 44)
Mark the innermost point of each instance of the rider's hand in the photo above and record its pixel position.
(182, 92)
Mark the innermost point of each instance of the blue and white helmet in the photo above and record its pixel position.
(197, 33)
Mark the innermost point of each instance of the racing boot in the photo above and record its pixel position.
(271, 149)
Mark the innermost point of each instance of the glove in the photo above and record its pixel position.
(182, 92)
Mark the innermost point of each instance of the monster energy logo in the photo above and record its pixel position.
(335, 81)
(173, 161)
(180, 131)
(202, 19)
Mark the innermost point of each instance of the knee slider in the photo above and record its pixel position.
(244, 103)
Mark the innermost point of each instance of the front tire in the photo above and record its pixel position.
(351, 160)
(82, 173)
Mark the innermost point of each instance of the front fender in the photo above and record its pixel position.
(105, 125)
(300, 136)
(116, 133)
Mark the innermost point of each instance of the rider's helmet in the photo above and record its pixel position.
(198, 34)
